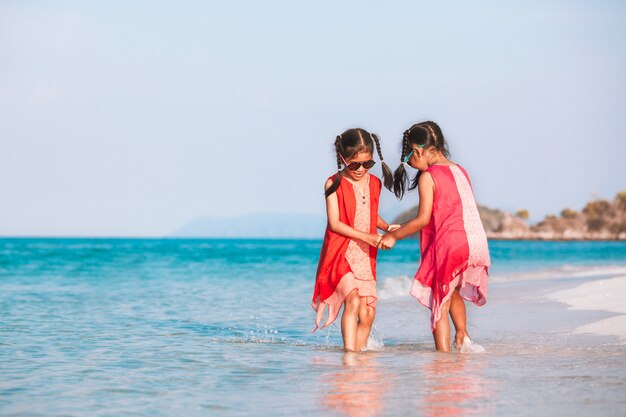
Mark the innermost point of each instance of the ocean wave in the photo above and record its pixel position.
(394, 287)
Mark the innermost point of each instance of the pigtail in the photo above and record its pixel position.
(387, 174)
(400, 177)
(333, 187)
(415, 181)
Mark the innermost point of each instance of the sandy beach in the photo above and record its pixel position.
(602, 295)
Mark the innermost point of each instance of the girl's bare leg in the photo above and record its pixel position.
(366, 318)
(442, 330)
(457, 312)
(349, 320)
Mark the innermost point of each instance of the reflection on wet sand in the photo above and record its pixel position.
(454, 385)
(357, 389)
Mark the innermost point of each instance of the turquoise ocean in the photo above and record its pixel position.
(210, 327)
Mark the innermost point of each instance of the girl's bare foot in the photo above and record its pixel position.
(460, 335)
(466, 345)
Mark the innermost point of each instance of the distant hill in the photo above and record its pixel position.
(256, 226)
(598, 220)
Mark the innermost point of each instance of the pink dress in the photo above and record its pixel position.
(453, 245)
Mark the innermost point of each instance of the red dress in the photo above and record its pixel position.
(346, 264)
(453, 245)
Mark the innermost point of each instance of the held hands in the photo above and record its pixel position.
(373, 239)
(387, 242)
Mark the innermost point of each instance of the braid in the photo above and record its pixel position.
(405, 144)
(333, 187)
(400, 176)
(337, 152)
(387, 175)
(377, 143)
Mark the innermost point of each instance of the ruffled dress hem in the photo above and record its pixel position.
(472, 280)
(348, 283)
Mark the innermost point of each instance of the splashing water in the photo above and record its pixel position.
(468, 346)
(375, 341)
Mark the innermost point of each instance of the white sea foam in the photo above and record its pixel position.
(393, 287)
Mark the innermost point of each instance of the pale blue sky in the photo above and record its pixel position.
(133, 119)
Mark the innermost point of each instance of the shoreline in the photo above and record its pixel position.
(602, 295)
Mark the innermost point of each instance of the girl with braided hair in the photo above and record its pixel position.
(346, 273)
(454, 253)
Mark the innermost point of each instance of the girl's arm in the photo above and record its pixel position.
(337, 226)
(426, 187)
(383, 225)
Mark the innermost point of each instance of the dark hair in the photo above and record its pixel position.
(350, 143)
(426, 135)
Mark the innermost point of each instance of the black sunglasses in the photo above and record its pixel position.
(353, 166)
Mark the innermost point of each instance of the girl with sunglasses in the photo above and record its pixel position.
(454, 253)
(346, 273)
